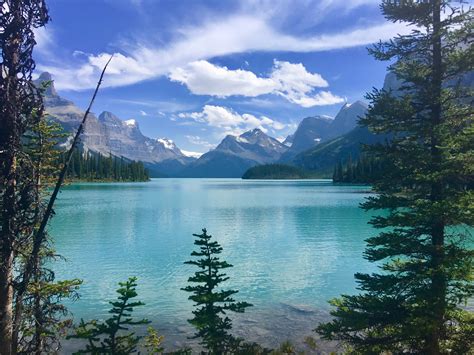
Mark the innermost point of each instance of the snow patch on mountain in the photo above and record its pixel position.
(131, 123)
(190, 154)
(168, 143)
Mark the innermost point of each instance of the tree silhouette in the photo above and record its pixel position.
(211, 302)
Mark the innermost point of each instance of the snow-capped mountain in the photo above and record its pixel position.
(108, 134)
(318, 129)
(254, 145)
(289, 140)
(234, 155)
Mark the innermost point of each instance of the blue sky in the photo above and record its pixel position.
(194, 71)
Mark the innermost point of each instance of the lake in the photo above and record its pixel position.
(294, 245)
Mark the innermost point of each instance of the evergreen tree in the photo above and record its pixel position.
(338, 175)
(212, 302)
(110, 336)
(425, 248)
(366, 170)
(42, 316)
(95, 167)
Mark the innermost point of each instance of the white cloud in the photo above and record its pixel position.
(289, 80)
(204, 78)
(322, 98)
(228, 121)
(199, 141)
(235, 34)
(143, 113)
(161, 106)
(44, 41)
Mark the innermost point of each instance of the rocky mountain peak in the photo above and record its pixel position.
(109, 117)
(169, 144)
(252, 132)
(107, 133)
(45, 76)
(234, 155)
(50, 91)
(347, 117)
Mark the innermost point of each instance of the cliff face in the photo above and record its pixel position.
(108, 134)
(316, 130)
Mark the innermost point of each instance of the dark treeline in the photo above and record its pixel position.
(94, 166)
(364, 170)
(274, 171)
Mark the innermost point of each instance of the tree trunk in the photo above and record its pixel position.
(9, 145)
(438, 279)
(8, 230)
(6, 300)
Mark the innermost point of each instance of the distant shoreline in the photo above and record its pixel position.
(73, 181)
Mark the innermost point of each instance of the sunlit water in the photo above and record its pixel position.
(294, 245)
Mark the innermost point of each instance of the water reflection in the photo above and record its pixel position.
(294, 244)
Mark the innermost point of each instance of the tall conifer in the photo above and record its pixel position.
(414, 305)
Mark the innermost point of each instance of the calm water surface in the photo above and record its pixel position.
(293, 244)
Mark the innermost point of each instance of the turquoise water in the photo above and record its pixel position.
(293, 244)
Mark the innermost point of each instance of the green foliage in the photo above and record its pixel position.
(212, 303)
(44, 318)
(363, 171)
(416, 303)
(94, 166)
(275, 171)
(286, 348)
(42, 147)
(111, 336)
(154, 342)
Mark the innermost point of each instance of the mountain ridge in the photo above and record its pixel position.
(235, 154)
(107, 134)
(315, 130)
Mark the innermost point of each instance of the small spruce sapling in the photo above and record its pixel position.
(111, 336)
(211, 302)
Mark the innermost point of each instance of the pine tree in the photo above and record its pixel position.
(425, 247)
(212, 302)
(39, 310)
(111, 336)
(338, 175)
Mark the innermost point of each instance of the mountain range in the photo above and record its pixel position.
(318, 142)
(109, 135)
(234, 155)
(323, 157)
(318, 129)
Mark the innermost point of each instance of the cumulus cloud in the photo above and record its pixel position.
(227, 121)
(235, 34)
(44, 41)
(204, 78)
(197, 140)
(322, 98)
(289, 80)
